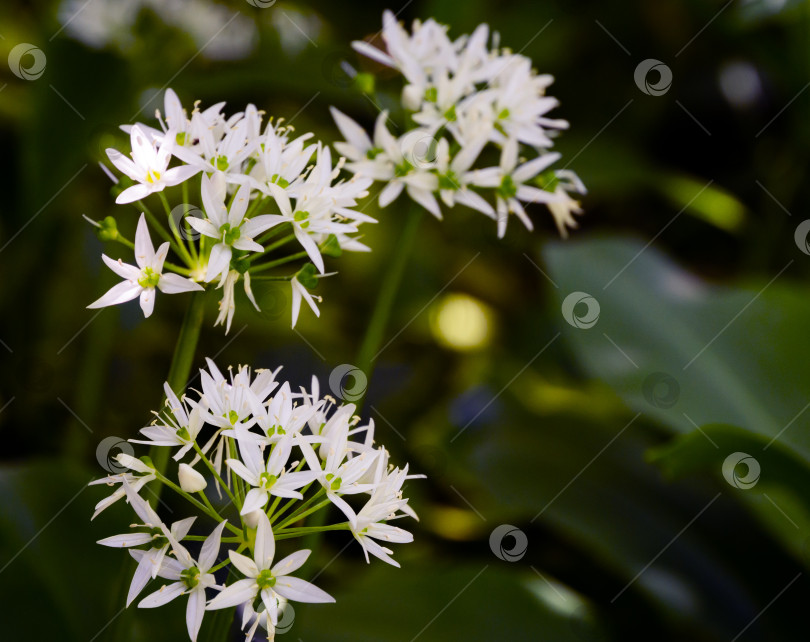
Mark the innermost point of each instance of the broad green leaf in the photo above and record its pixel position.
(772, 481)
(685, 352)
(492, 600)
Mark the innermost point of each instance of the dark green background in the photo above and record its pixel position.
(613, 499)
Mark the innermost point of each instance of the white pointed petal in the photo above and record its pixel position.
(210, 549)
(291, 563)
(124, 270)
(162, 596)
(147, 301)
(126, 540)
(298, 590)
(254, 500)
(219, 261)
(134, 193)
(121, 293)
(245, 565)
(195, 610)
(237, 593)
(265, 548)
(175, 284)
(143, 573)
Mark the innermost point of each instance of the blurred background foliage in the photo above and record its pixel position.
(604, 446)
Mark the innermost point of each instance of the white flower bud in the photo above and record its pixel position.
(190, 480)
(252, 518)
(411, 97)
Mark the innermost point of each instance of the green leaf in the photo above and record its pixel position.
(493, 600)
(768, 478)
(685, 352)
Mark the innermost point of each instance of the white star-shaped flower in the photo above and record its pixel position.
(142, 280)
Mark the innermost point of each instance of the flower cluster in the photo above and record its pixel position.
(260, 189)
(279, 456)
(471, 106)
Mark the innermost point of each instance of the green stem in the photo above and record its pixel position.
(214, 472)
(282, 261)
(181, 245)
(369, 349)
(295, 517)
(272, 247)
(180, 368)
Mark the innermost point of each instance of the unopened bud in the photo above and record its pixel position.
(190, 480)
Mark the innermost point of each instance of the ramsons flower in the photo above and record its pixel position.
(149, 166)
(141, 281)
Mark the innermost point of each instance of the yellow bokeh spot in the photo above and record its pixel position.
(461, 322)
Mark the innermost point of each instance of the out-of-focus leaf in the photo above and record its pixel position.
(588, 481)
(685, 352)
(713, 204)
(489, 601)
(56, 577)
(772, 481)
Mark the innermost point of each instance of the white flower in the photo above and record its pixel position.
(300, 292)
(182, 430)
(270, 477)
(509, 180)
(227, 305)
(564, 208)
(222, 150)
(190, 480)
(149, 166)
(141, 281)
(339, 476)
(150, 560)
(189, 577)
(136, 482)
(229, 227)
(263, 578)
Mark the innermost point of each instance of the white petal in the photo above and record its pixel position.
(237, 593)
(163, 595)
(195, 610)
(121, 293)
(291, 563)
(294, 588)
(175, 284)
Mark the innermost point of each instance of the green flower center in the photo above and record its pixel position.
(181, 138)
(280, 181)
(374, 152)
(265, 580)
(431, 94)
(220, 162)
(450, 114)
(301, 217)
(232, 416)
(507, 188)
(504, 114)
(547, 181)
(190, 577)
(267, 480)
(183, 433)
(335, 482)
(149, 278)
(229, 234)
(404, 169)
(448, 181)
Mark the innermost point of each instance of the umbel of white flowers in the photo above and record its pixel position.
(256, 190)
(469, 105)
(279, 456)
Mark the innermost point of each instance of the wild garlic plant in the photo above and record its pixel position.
(476, 129)
(275, 457)
(254, 458)
(261, 191)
